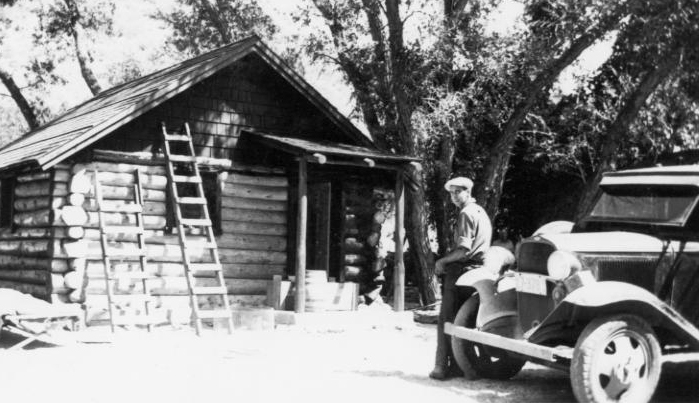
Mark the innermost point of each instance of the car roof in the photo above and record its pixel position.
(687, 175)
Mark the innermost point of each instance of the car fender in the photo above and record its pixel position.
(613, 297)
(493, 305)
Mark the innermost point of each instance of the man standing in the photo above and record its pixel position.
(472, 234)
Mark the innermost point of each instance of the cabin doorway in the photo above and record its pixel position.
(318, 230)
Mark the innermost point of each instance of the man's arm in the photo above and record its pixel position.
(458, 254)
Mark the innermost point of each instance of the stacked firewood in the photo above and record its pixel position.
(366, 210)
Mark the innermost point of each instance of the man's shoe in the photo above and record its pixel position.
(455, 371)
(439, 373)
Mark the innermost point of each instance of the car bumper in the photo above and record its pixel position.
(534, 352)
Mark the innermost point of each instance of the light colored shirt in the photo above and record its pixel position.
(473, 232)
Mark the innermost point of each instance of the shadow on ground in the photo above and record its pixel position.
(679, 384)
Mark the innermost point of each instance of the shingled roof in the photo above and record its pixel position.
(113, 108)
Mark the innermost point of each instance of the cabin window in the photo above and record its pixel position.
(212, 191)
(7, 190)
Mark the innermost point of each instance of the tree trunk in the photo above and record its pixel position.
(442, 208)
(84, 58)
(416, 232)
(20, 100)
(489, 189)
(652, 79)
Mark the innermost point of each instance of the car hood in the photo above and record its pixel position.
(604, 242)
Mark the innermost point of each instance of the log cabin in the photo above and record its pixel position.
(292, 187)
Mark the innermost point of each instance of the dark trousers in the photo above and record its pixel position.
(448, 309)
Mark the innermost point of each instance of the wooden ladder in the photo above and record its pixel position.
(193, 178)
(115, 298)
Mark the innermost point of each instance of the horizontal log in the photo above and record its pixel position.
(171, 305)
(354, 259)
(259, 180)
(253, 242)
(32, 276)
(126, 193)
(40, 232)
(178, 286)
(59, 175)
(236, 227)
(116, 167)
(95, 269)
(33, 176)
(256, 192)
(150, 236)
(147, 158)
(32, 203)
(351, 273)
(33, 248)
(352, 245)
(263, 169)
(37, 218)
(9, 262)
(253, 204)
(127, 179)
(35, 290)
(41, 188)
(252, 256)
(149, 221)
(149, 207)
(256, 216)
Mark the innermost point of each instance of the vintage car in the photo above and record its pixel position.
(605, 298)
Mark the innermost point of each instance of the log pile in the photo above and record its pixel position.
(366, 209)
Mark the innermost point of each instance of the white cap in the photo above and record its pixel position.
(459, 181)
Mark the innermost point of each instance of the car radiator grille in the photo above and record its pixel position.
(637, 271)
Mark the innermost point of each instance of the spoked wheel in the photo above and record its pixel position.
(472, 357)
(616, 359)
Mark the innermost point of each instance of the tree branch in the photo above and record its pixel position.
(20, 100)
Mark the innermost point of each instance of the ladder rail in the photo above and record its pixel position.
(205, 222)
(143, 260)
(109, 277)
(105, 247)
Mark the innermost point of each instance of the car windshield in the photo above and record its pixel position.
(655, 204)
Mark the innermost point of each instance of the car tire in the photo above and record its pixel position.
(472, 358)
(616, 359)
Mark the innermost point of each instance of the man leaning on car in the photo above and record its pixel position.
(472, 235)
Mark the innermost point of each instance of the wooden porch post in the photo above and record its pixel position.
(399, 235)
(302, 219)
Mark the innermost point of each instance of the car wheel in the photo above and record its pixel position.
(474, 358)
(616, 359)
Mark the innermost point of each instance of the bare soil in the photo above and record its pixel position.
(289, 364)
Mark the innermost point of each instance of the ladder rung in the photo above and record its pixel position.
(205, 267)
(199, 245)
(186, 179)
(126, 253)
(133, 275)
(182, 158)
(191, 200)
(176, 137)
(214, 314)
(135, 320)
(122, 229)
(124, 299)
(210, 290)
(124, 209)
(201, 222)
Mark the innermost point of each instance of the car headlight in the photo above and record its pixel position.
(562, 264)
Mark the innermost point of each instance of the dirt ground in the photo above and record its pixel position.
(289, 364)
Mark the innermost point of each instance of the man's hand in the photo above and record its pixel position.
(439, 268)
